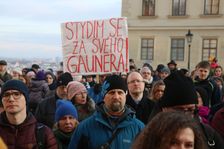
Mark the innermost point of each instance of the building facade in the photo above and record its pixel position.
(157, 31)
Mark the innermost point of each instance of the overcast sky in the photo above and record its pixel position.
(31, 28)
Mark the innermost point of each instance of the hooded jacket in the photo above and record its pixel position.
(23, 136)
(97, 130)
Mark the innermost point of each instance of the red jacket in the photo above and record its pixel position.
(23, 136)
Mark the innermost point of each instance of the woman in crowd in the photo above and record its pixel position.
(38, 89)
(218, 72)
(77, 94)
(52, 83)
(157, 90)
(170, 130)
(66, 119)
(203, 111)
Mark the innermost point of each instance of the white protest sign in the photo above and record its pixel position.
(95, 47)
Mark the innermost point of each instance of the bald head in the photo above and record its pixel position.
(135, 84)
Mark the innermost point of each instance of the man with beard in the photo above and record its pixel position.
(113, 125)
(45, 111)
(136, 97)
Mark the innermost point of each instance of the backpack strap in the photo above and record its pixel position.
(209, 137)
(40, 136)
(107, 144)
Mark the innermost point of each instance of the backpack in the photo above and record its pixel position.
(40, 135)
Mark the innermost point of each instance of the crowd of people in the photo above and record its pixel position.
(145, 108)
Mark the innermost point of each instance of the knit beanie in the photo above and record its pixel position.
(64, 79)
(165, 69)
(74, 87)
(65, 107)
(159, 67)
(179, 90)
(16, 85)
(145, 69)
(113, 82)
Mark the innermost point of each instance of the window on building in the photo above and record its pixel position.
(148, 8)
(179, 8)
(147, 49)
(209, 49)
(211, 7)
(177, 49)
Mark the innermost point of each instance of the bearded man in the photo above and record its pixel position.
(113, 125)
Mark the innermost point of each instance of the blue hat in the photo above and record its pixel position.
(65, 107)
(16, 85)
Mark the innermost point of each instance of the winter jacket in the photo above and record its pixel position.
(218, 122)
(214, 95)
(207, 131)
(143, 109)
(46, 110)
(97, 130)
(62, 138)
(5, 77)
(95, 93)
(38, 89)
(211, 135)
(85, 110)
(23, 136)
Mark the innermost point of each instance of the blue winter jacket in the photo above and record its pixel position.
(97, 130)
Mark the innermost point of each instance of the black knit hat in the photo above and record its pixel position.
(16, 85)
(64, 79)
(113, 82)
(179, 90)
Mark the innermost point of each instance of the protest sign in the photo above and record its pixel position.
(95, 47)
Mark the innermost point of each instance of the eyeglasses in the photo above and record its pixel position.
(81, 94)
(187, 110)
(135, 81)
(15, 95)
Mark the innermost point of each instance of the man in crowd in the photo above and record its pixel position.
(136, 97)
(4, 75)
(113, 125)
(202, 80)
(172, 65)
(17, 125)
(35, 68)
(180, 95)
(46, 109)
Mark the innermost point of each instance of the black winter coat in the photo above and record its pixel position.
(143, 109)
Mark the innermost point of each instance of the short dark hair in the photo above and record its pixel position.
(204, 64)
